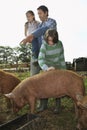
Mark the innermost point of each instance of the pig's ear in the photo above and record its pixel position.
(79, 97)
(9, 95)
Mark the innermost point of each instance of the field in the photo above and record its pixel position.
(62, 121)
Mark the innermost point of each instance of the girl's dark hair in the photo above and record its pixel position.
(51, 33)
(43, 8)
(30, 12)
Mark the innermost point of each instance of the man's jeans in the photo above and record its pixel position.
(34, 67)
(36, 44)
(37, 41)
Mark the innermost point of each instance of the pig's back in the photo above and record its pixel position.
(57, 82)
(52, 84)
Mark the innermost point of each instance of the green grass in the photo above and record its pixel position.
(85, 82)
(22, 75)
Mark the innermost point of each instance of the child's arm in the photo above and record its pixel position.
(41, 58)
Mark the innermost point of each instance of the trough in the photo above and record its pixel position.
(25, 122)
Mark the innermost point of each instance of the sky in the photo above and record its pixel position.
(70, 15)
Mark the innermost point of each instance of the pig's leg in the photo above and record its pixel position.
(77, 117)
(76, 111)
(78, 127)
(32, 104)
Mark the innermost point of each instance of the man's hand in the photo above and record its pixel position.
(28, 39)
(23, 42)
(51, 68)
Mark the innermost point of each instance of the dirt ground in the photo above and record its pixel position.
(65, 120)
(62, 121)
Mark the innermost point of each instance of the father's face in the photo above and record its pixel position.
(43, 16)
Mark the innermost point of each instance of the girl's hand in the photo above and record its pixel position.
(51, 68)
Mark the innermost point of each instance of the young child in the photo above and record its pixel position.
(51, 56)
(51, 53)
(30, 26)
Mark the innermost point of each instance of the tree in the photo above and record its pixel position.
(10, 55)
(25, 53)
(5, 54)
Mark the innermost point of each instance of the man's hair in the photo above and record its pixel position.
(43, 8)
(51, 33)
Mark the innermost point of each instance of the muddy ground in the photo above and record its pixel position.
(65, 120)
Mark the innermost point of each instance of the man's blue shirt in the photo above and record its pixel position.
(39, 34)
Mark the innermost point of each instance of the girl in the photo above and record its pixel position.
(51, 56)
(31, 23)
(30, 26)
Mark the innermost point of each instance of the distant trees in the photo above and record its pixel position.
(25, 53)
(10, 55)
(5, 54)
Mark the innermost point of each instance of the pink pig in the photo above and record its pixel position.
(8, 82)
(50, 84)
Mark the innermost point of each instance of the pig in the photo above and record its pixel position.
(8, 82)
(82, 115)
(50, 84)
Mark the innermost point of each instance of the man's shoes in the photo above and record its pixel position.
(43, 105)
(57, 110)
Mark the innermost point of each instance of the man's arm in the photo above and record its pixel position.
(40, 31)
(27, 39)
(51, 23)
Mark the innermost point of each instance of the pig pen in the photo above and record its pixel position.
(25, 122)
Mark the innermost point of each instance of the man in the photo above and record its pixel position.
(37, 38)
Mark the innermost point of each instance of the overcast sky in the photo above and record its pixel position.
(71, 17)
